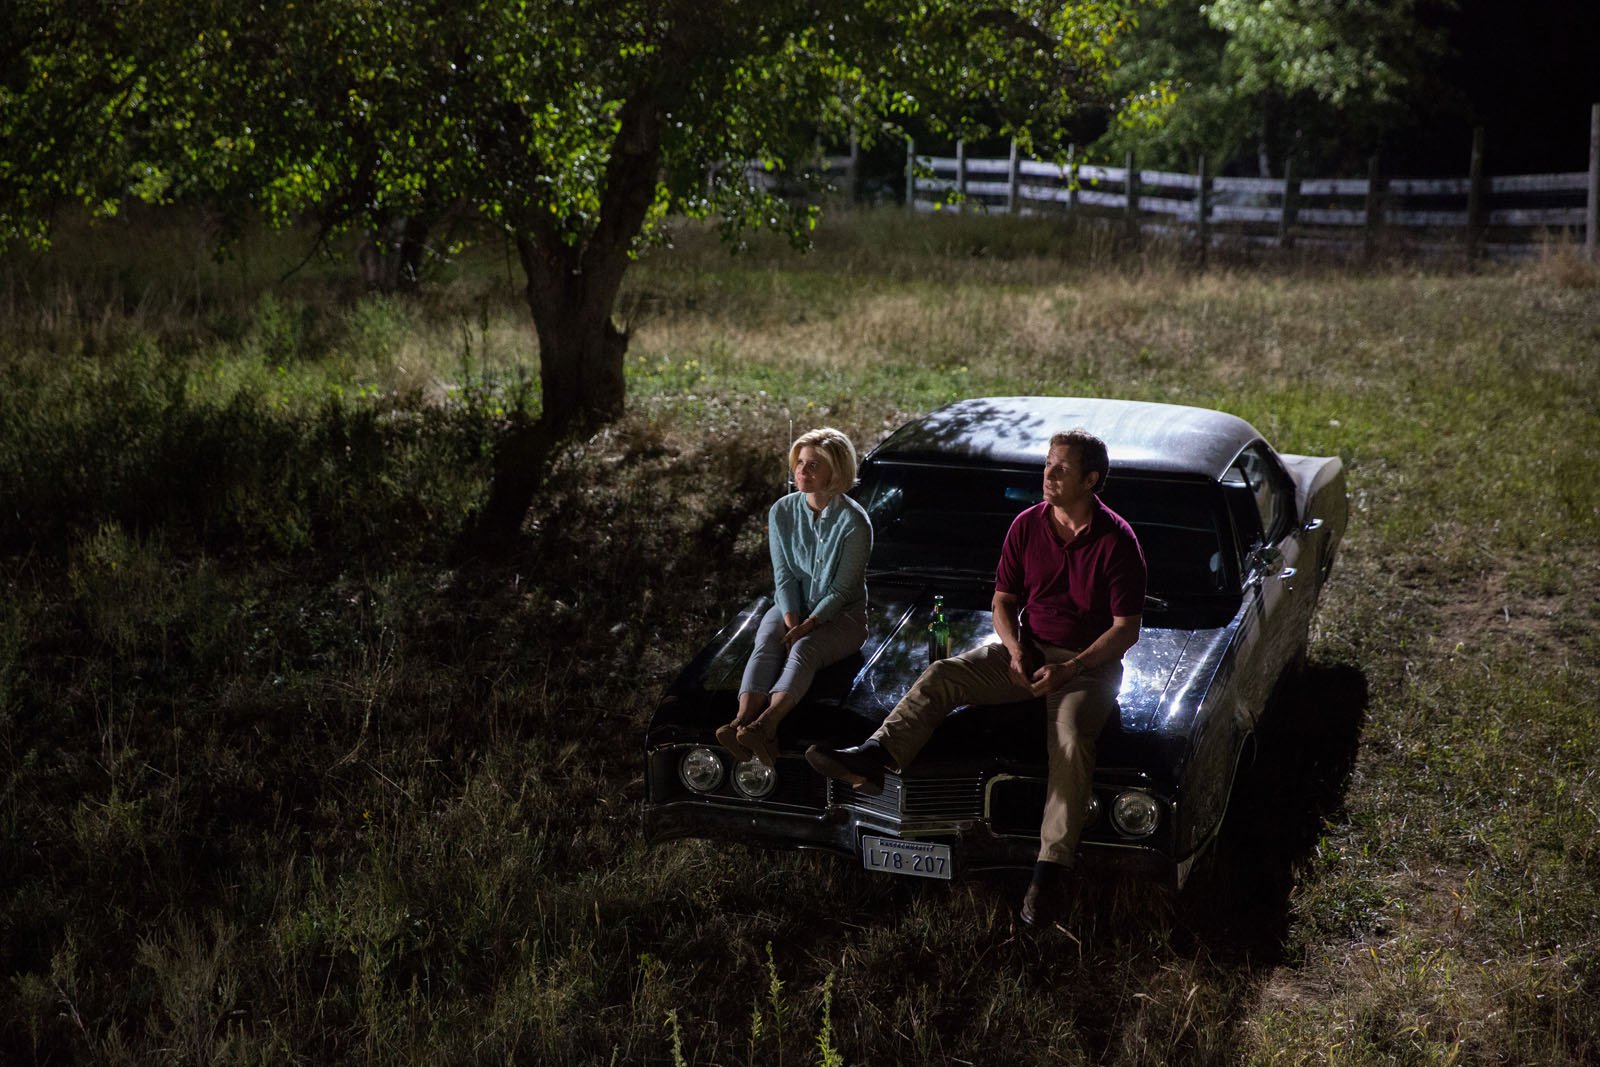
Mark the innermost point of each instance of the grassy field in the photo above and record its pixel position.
(283, 778)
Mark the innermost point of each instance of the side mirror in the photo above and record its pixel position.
(1263, 563)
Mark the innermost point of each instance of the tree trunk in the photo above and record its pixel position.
(580, 349)
(1267, 137)
(581, 380)
(572, 291)
(391, 256)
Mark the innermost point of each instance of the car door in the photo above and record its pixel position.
(1276, 595)
(1273, 568)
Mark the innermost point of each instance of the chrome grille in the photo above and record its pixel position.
(798, 785)
(886, 804)
(944, 798)
(914, 799)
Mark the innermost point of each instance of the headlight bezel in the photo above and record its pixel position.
(701, 757)
(1132, 810)
(759, 770)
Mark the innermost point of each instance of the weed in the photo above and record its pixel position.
(677, 1039)
(828, 1055)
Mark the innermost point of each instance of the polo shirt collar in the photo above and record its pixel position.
(1098, 519)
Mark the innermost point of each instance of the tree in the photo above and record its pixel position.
(1321, 79)
(575, 126)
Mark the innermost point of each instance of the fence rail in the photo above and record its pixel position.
(1494, 215)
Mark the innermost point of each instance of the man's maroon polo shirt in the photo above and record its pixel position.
(1070, 592)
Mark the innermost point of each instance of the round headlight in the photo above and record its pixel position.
(1135, 813)
(1091, 813)
(700, 770)
(754, 779)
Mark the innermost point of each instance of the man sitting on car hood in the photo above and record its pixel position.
(1068, 600)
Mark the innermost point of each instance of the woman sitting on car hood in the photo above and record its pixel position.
(820, 540)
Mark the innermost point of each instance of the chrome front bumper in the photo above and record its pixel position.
(828, 816)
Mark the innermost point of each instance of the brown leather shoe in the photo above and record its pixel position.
(728, 738)
(754, 738)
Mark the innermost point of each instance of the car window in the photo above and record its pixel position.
(942, 518)
(1260, 472)
(1182, 529)
(932, 518)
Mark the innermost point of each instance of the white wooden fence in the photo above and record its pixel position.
(1478, 214)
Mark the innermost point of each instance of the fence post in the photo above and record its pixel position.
(1289, 208)
(1591, 240)
(1374, 210)
(1072, 179)
(1475, 196)
(1202, 212)
(961, 177)
(911, 174)
(1012, 204)
(1130, 196)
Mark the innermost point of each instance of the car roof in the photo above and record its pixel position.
(1016, 431)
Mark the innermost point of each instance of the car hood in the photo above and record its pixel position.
(1165, 676)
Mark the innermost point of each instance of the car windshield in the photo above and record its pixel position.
(945, 520)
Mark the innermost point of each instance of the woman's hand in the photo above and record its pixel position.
(798, 630)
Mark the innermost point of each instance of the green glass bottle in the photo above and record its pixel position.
(938, 632)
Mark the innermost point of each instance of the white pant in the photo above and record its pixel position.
(775, 669)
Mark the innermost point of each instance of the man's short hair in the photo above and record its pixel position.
(1091, 453)
(835, 448)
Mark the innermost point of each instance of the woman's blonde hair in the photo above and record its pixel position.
(835, 448)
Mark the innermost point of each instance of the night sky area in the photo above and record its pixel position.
(1526, 72)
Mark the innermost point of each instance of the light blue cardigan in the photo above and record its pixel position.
(819, 563)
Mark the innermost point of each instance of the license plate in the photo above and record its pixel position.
(920, 859)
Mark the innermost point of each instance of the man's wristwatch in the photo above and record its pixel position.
(1077, 666)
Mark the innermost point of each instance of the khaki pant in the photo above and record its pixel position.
(1074, 717)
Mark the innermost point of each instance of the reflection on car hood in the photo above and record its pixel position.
(1163, 677)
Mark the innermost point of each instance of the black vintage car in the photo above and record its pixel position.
(1239, 541)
